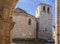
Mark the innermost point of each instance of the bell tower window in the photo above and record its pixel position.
(43, 8)
(48, 9)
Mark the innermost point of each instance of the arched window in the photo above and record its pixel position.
(48, 9)
(29, 22)
(43, 8)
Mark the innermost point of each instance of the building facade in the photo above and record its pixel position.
(44, 18)
(25, 25)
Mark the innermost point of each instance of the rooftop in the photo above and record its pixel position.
(19, 10)
(44, 4)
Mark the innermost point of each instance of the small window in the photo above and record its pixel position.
(48, 9)
(43, 8)
(29, 22)
(45, 29)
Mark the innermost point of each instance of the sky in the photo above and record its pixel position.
(30, 6)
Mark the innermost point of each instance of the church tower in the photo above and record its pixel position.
(44, 17)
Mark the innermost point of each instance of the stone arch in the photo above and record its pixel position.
(6, 23)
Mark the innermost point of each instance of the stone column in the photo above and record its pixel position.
(5, 31)
(6, 23)
(57, 24)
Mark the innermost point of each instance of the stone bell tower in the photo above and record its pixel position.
(44, 16)
(57, 22)
(6, 23)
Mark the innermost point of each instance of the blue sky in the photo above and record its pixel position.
(30, 5)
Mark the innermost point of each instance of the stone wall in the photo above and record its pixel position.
(31, 42)
(22, 29)
(57, 22)
(44, 21)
